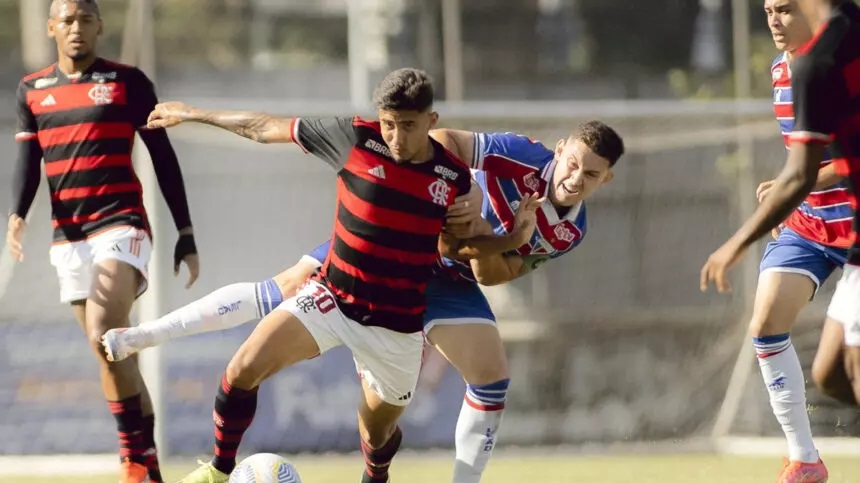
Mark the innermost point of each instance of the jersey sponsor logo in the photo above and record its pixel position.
(439, 190)
(49, 101)
(103, 76)
(377, 148)
(101, 94)
(531, 181)
(445, 172)
(563, 233)
(45, 82)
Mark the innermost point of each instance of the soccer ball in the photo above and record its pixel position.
(265, 468)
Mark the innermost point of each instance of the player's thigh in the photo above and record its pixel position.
(779, 298)
(279, 340)
(301, 327)
(462, 327)
(377, 419)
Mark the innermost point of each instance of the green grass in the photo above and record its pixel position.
(686, 468)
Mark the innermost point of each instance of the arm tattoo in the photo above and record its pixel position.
(255, 126)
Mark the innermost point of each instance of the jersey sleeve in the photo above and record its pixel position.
(816, 90)
(329, 138)
(509, 155)
(141, 93)
(26, 128)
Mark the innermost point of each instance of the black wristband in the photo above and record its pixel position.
(184, 246)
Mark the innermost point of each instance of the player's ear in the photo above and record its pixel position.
(559, 146)
(608, 177)
(101, 27)
(51, 33)
(434, 118)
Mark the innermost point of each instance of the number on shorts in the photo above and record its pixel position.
(323, 300)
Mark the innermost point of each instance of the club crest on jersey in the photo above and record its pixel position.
(101, 94)
(439, 190)
(531, 181)
(563, 233)
(777, 73)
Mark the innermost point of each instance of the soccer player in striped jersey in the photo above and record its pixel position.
(826, 102)
(80, 115)
(458, 321)
(394, 187)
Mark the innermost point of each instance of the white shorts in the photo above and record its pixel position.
(388, 361)
(75, 260)
(845, 304)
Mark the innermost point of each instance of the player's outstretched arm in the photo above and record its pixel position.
(256, 126)
(499, 269)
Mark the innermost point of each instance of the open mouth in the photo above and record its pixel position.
(569, 191)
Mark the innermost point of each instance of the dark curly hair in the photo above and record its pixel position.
(404, 90)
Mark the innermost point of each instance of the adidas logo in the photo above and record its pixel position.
(49, 101)
(378, 171)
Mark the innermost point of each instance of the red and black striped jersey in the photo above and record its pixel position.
(85, 127)
(388, 219)
(826, 85)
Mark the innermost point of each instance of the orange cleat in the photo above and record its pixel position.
(131, 472)
(798, 472)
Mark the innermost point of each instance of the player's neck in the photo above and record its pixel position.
(426, 156)
(72, 67)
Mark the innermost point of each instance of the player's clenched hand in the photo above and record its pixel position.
(167, 114)
(525, 219)
(717, 267)
(466, 207)
(186, 252)
(14, 236)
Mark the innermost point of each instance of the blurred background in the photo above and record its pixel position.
(612, 343)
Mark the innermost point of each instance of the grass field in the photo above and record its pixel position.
(685, 468)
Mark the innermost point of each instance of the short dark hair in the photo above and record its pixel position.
(601, 139)
(55, 5)
(404, 90)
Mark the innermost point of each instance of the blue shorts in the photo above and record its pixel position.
(449, 301)
(792, 253)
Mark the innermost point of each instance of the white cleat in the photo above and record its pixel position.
(119, 344)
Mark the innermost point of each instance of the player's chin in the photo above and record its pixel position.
(77, 53)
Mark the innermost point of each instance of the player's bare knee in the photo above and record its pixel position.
(767, 323)
(378, 433)
(242, 373)
(487, 371)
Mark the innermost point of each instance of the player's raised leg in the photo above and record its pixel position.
(462, 328)
(226, 307)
